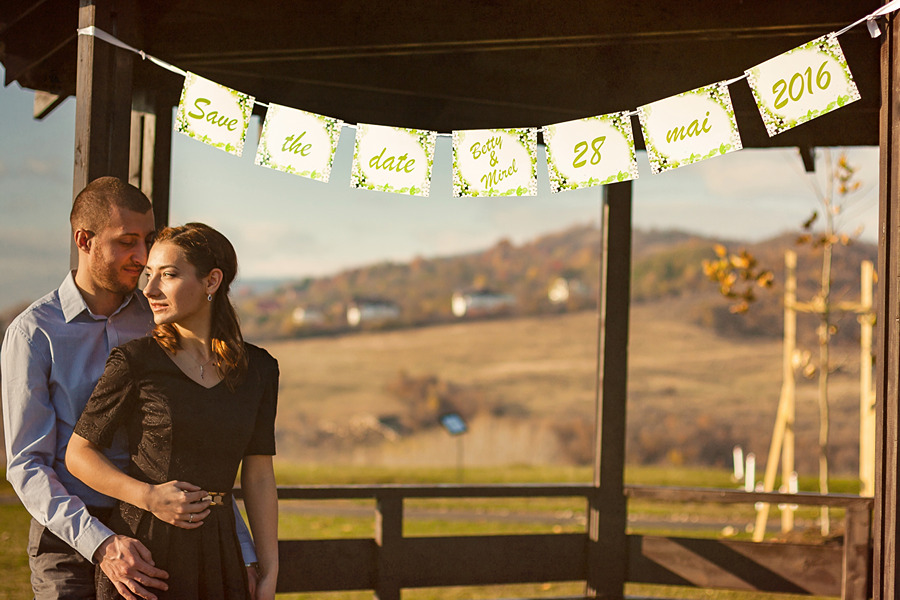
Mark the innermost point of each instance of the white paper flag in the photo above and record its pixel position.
(802, 84)
(690, 127)
(213, 114)
(495, 162)
(393, 159)
(298, 142)
(590, 152)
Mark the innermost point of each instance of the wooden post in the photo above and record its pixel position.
(789, 383)
(103, 91)
(783, 433)
(150, 154)
(866, 397)
(855, 573)
(607, 518)
(887, 349)
(388, 536)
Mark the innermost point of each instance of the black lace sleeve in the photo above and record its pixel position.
(110, 403)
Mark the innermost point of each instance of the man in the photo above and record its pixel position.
(52, 356)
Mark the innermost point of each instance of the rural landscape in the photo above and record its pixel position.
(702, 378)
(362, 403)
(522, 372)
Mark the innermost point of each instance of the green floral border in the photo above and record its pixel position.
(244, 103)
(425, 139)
(621, 122)
(776, 123)
(526, 137)
(659, 162)
(332, 129)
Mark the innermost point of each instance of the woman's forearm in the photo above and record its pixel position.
(86, 461)
(261, 499)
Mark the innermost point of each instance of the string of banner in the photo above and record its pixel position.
(790, 89)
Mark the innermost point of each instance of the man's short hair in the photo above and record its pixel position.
(92, 206)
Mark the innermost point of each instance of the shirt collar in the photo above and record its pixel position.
(73, 303)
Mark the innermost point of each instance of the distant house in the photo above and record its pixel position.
(563, 289)
(307, 315)
(480, 302)
(371, 310)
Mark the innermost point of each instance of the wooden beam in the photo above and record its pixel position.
(103, 105)
(45, 103)
(388, 537)
(161, 170)
(149, 165)
(103, 97)
(607, 518)
(887, 348)
(351, 564)
(808, 156)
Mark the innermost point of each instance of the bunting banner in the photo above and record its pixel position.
(495, 162)
(393, 159)
(590, 152)
(298, 142)
(690, 127)
(802, 84)
(790, 89)
(213, 114)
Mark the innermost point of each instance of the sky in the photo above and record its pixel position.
(288, 227)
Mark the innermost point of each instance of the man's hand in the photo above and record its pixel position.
(178, 503)
(129, 566)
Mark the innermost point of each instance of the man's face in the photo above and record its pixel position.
(119, 251)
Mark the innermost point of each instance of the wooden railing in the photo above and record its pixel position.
(390, 562)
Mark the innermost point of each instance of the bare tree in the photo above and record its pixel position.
(835, 199)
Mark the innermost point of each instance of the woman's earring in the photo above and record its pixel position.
(209, 297)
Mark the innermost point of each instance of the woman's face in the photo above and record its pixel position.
(176, 294)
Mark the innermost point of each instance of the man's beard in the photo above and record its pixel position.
(107, 277)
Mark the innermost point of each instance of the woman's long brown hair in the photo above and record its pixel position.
(207, 249)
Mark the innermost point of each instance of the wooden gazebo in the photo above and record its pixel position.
(444, 65)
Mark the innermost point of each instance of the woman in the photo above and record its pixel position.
(196, 403)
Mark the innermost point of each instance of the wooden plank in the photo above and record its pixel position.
(150, 167)
(769, 567)
(161, 158)
(389, 537)
(570, 490)
(607, 516)
(136, 149)
(103, 104)
(493, 560)
(887, 348)
(855, 567)
(723, 496)
(326, 565)
(45, 103)
(345, 492)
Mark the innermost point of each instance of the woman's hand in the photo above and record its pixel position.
(265, 588)
(178, 503)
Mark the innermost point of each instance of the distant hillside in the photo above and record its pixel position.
(667, 269)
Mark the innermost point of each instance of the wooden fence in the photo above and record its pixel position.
(390, 562)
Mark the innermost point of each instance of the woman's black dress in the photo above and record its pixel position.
(179, 430)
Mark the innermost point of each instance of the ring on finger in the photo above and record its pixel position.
(191, 518)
